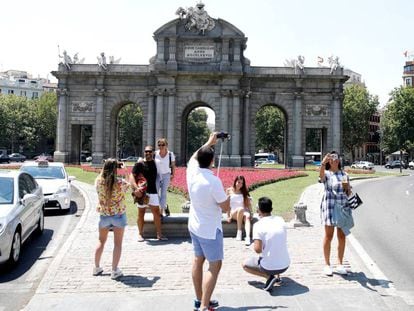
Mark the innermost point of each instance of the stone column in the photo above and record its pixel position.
(61, 153)
(172, 62)
(224, 64)
(150, 120)
(298, 157)
(224, 124)
(235, 159)
(99, 130)
(159, 115)
(171, 119)
(336, 122)
(246, 157)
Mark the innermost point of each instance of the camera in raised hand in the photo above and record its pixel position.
(223, 135)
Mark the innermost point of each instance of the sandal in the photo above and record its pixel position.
(162, 238)
(141, 238)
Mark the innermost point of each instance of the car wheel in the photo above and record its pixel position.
(15, 248)
(41, 222)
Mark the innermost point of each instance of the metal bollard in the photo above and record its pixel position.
(300, 215)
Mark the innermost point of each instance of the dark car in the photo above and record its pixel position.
(4, 158)
(396, 164)
(17, 157)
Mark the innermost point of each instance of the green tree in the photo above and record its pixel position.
(270, 127)
(197, 130)
(358, 107)
(45, 113)
(17, 123)
(397, 122)
(130, 129)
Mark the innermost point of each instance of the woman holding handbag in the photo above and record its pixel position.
(337, 187)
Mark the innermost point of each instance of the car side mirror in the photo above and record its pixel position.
(28, 198)
(71, 178)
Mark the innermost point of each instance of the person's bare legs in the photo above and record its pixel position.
(157, 219)
(247, 226)
(140, 223)
(329, 231)
(239, 218)
(209, 282)
(103, 235)
(197, 275)
(118, 236)
(341, 244)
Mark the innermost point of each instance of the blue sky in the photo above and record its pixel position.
(368, 36)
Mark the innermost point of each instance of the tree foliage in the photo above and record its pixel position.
(130, 122)
(397, 121)
(197, 130)
(358, 107)
(270, 127)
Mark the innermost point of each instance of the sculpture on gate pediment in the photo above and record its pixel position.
(196, 18)
(298, 64)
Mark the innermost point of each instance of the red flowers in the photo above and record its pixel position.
(254, 177)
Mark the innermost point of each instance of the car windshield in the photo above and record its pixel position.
(6, 190)
(45, 172)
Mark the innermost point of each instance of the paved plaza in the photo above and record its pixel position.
(157, 275)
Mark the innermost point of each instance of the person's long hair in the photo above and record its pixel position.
(328, 166)
(109, 175)
(243, 190)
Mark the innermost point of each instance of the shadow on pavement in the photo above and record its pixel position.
(249, 308)
(31, 251)
(365, 281)
(138, 281)
(53, 212)
(289, 287)
(173, 241)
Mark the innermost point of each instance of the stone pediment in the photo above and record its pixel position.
(177, 28)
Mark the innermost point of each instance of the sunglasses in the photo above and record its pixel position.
(161, 145)
(148, 151)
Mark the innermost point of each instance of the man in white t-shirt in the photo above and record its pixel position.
(270, 241)
(208, 202)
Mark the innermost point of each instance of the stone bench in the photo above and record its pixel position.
(176, 225)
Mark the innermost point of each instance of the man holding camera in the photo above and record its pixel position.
(208, 202)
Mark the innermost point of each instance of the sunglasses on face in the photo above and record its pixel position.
(148, 151)
(161, 145)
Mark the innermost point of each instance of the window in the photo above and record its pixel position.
(10, 91)
(35, 95)
(22, 80)
(408, 82)
(23, 93)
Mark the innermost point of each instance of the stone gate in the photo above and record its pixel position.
(199, 61)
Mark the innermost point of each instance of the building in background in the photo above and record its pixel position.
(408, 74)
(20, 83)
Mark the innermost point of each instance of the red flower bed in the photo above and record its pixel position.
(254, 177)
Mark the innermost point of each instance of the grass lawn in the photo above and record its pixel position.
(284, 194)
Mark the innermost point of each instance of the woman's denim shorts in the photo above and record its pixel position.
(119, 221)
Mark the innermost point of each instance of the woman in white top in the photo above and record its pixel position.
(240, 204)
(165, 162)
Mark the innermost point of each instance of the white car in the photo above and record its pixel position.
(21, 212)
(411, 165)
(53, 179)
(365, 165)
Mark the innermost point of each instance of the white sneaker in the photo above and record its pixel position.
(248, 241)
(340, 269)
(239, 235)
(97, 271)
(327, 270)
(116, 274)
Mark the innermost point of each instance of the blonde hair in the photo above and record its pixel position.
(162, 140)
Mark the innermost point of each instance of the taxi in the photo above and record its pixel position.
(53, 179)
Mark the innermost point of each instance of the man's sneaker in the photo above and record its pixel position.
(269, 283)
(197, 304)
(97, 271)
(116, 274)
(278, 281)
(247, 241)
(327, 270)
(340, 269)
(167, 211)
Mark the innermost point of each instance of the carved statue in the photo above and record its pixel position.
(76, 59)
(196, 18)
(298, 64)
(333, 63)
(112, 60)
(67, 61)
(102, 61)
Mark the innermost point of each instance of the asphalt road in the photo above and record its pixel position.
(17, 285)
(384, 227)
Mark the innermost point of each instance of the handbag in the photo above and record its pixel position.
(354, 201)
